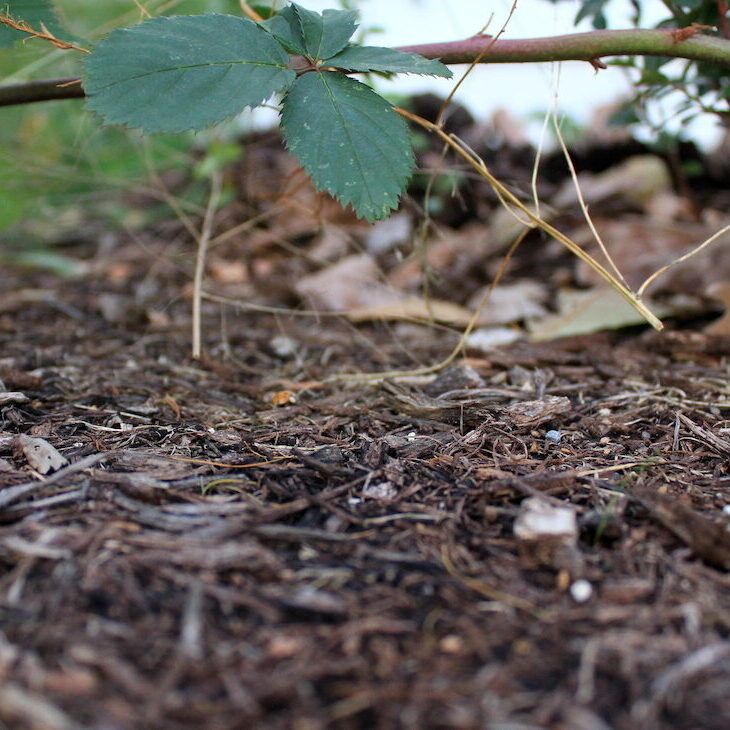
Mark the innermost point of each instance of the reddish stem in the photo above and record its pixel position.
(722, 21)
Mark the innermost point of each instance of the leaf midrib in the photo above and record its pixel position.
(349, 136)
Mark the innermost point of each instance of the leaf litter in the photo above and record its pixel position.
(535, 536)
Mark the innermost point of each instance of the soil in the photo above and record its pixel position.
(252, 540)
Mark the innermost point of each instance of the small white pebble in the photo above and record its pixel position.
(489, 338)
(354, 501)
(581, 591)
(211, 429)
(726, 510)
(411, 436)
(283, 346)
(604, 412)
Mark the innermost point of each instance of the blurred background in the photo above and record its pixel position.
(76, 197)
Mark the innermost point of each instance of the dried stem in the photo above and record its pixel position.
(651, 279)
(43, 34)
(205, 236)
(503, 191)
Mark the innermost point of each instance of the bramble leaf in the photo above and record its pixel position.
(185, 72)
(326, 33)
(286, 27)
(372, 58)
(36, 13)
(350, 141)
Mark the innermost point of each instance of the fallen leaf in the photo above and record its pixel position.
(387, 234)
(595, 310)
(640, 246)
(637, 180)
(414, 308)
(40, 455)
(721, 293)
(507, 303)
(349, 284)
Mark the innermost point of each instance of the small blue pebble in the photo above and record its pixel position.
(554, 436)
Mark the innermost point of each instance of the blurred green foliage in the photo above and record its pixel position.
(691, 88)
(55, 157)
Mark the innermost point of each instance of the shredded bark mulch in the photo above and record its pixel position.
(350, 558)
(537, 536)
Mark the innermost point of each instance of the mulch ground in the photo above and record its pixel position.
(349, 558)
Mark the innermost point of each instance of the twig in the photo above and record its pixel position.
(582, 202)
(13, 494)
(31, 92)
(43, 34)
(205, 235)
(472, 65)
(681, 259)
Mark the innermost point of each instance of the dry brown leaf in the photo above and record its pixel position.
(40, 455)
(720, 327)
(414, 308)
(349, 284)
(597, 310)
(637, 180)
(640, 246)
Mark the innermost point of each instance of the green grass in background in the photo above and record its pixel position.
(57, 164)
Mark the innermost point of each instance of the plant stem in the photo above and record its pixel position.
(589, 47)
(205, 236)
(43, 90)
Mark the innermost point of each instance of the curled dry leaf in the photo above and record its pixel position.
(40, 455)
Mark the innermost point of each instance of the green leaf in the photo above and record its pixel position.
(327, 33)
(349, 140)
(286, 27)
(372, 58)
(187, 72)
(592, 9)
(37, 13)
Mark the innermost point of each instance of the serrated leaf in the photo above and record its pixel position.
(327, 33)
(373, 58)
(286, 27)
(186, 72)
(350, 141)
(37, 13)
